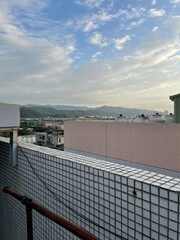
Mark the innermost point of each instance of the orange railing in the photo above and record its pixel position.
(30, 204)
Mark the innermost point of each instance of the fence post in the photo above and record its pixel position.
(26, 201)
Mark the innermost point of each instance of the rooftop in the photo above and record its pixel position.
(102, 199)
(174, 96)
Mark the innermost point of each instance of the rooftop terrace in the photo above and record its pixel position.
(109, 200)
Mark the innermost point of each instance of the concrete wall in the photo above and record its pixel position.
(111, 201)
(127, 163)
(156, 145)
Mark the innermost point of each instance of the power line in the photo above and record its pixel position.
(57, 197)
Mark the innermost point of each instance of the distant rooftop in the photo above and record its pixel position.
(174, 96)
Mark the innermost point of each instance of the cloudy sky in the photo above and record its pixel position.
(90, 52)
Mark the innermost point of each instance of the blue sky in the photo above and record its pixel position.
(90, 52)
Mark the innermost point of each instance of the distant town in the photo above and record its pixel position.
(44, 125)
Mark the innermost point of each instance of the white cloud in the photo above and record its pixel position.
(157, 13)
(71, 48)
(23, 3)
(104, 16)
(90, 26)
(153, 2)
(27, 61)
(164, 54)
(38, 70)
(94, 56)
(132, 13)
(158, 50)
(151, 73)
(97, 39)
(135, 24)
(175, 1)
(93, 21)
(89, 3)
(155, 29)
(119, 43)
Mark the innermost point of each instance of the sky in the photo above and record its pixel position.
(90, 52)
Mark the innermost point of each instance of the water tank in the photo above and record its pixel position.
(141, 119)
(169, 118)
(157, 118)
(121, 118)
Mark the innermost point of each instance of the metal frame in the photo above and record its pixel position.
(30, 204)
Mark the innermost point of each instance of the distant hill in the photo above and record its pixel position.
(38, 111)
(59, 107)
(34, 112)
(125, 111)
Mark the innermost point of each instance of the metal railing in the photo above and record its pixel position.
(30, 204)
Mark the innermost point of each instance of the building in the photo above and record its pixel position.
(57, 138)
(27, 138)
(54, 125)
(152, 146)
(176, 99)
(41, 138)
(110, 200)
(50, 139)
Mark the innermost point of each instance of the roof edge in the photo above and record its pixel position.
(174, 96)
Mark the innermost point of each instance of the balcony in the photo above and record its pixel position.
(109, 200)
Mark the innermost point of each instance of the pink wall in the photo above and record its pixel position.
(154, 144)
(85, 136)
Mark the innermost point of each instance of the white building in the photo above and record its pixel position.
(41, 138)
(57, 138)
(54, 138)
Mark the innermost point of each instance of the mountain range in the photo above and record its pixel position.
(63, 111)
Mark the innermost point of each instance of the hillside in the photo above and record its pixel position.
(33, 111)
(125, 111)
(59, 107)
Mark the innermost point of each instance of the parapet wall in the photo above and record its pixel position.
(156, 144)
(110, 200)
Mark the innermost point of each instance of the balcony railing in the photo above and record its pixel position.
(30, 204)
(108, 200)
